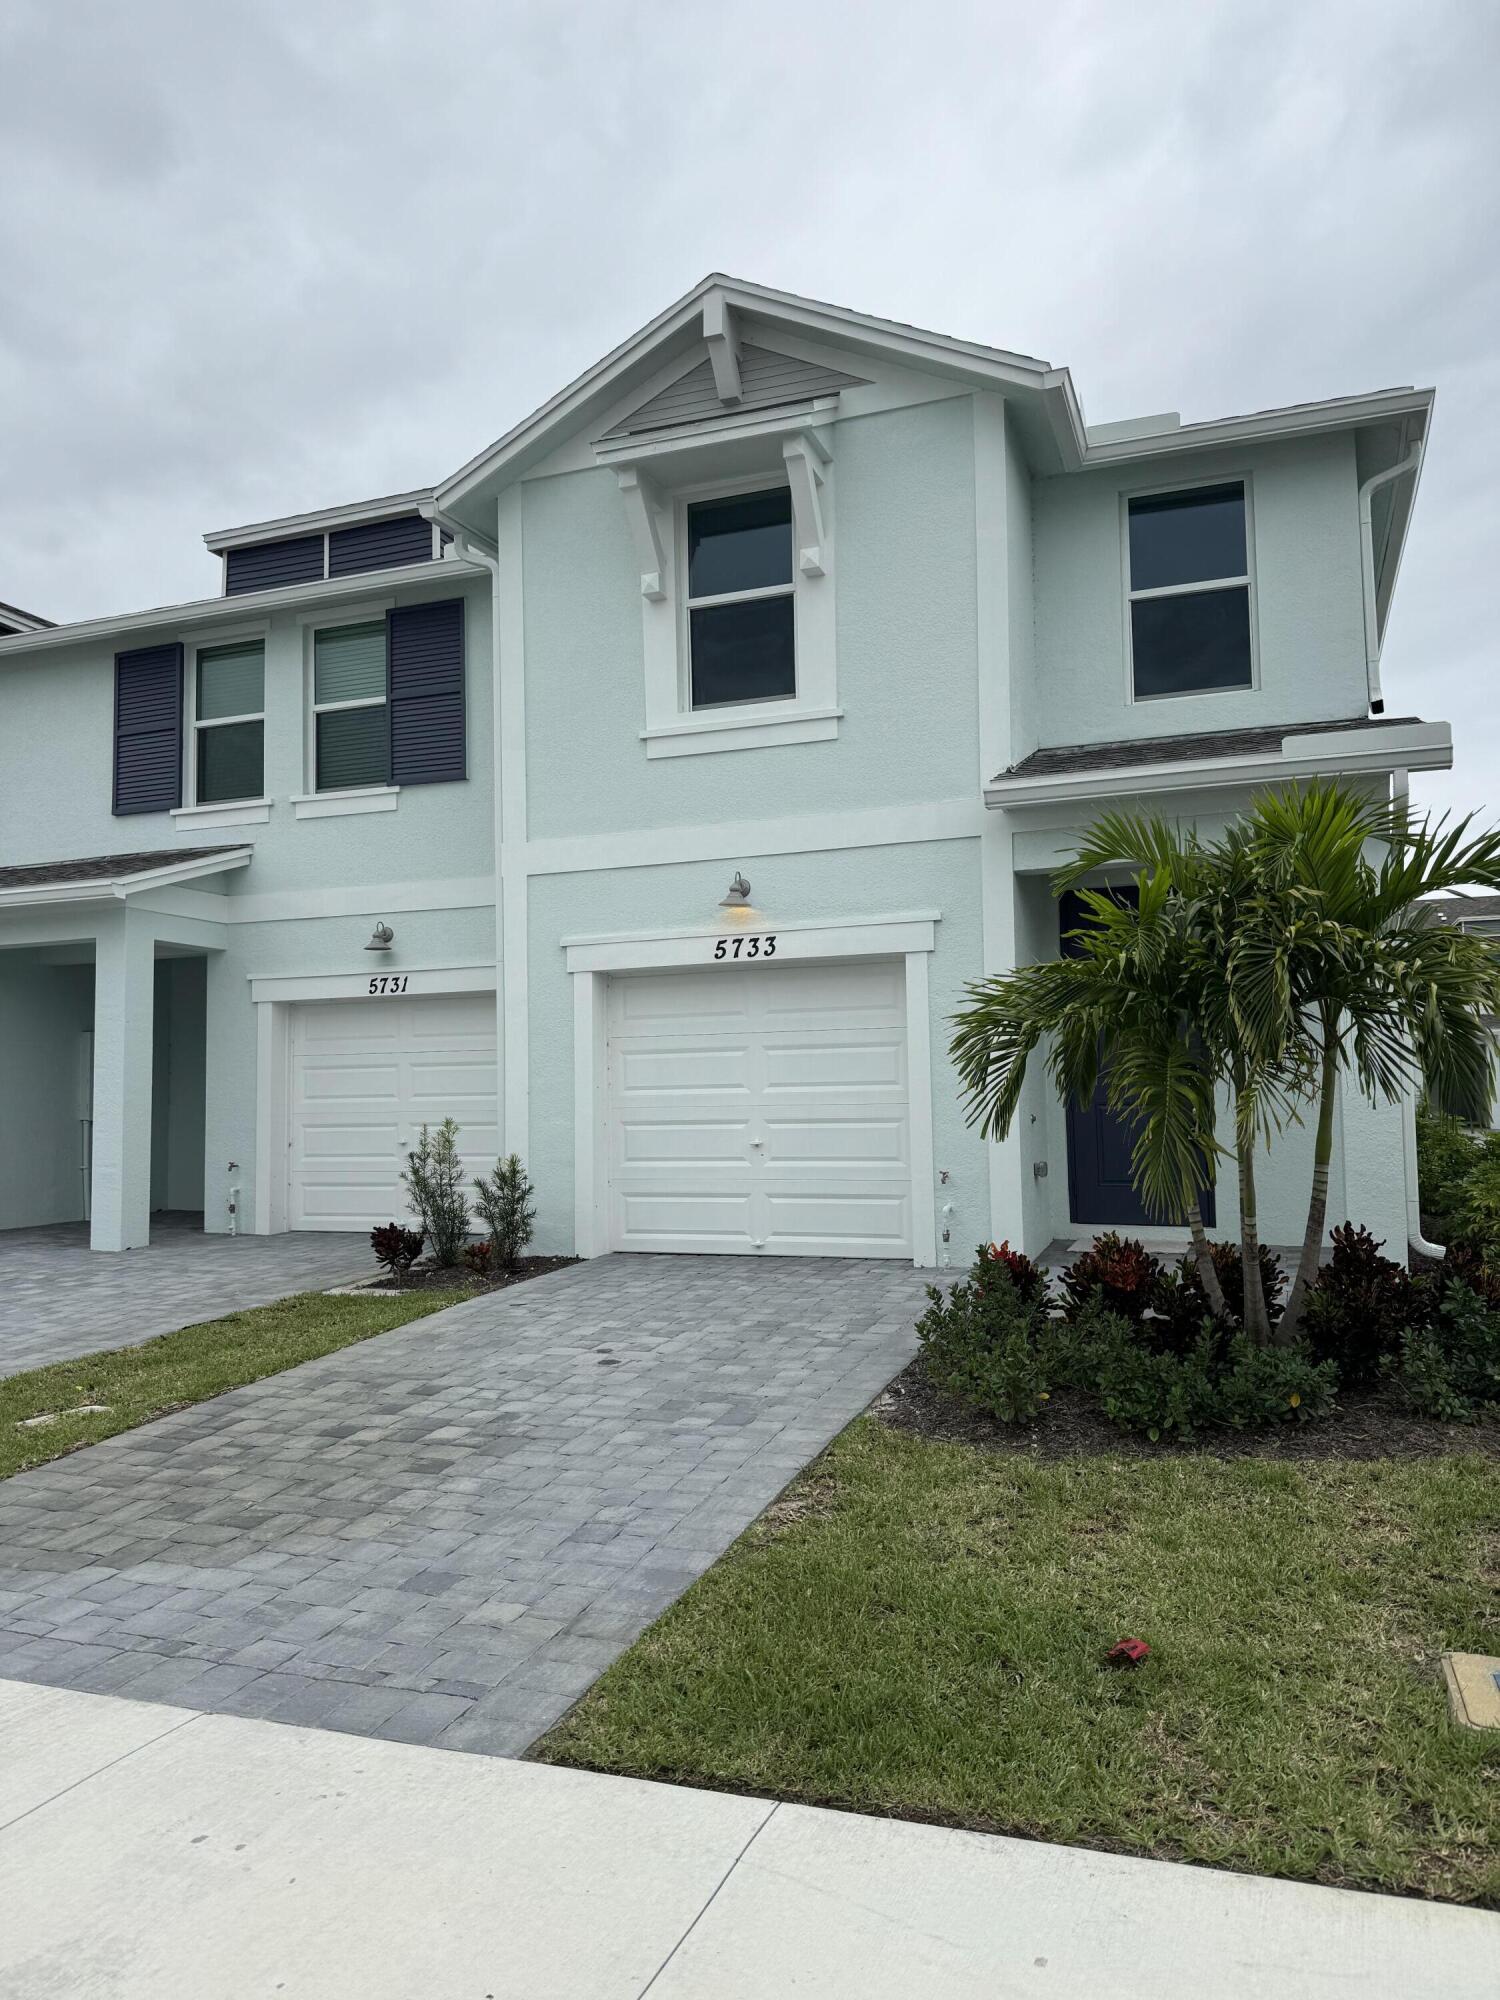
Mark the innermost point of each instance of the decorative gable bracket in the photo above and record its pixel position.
(806, 456)
(723, 342)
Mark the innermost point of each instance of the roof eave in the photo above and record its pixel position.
(219, 539)
(116, 888)
(1426, 746)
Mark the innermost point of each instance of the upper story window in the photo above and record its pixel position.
(351, 716)
(228, 738)
(741, 606)
(1189, 584)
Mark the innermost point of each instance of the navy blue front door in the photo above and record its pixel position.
(1100, 1141)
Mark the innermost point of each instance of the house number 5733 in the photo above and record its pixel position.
(389, 982)
(759, 944)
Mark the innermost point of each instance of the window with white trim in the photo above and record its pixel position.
(740, 600)
(229, 723)
(351, 715)
(1189, 591)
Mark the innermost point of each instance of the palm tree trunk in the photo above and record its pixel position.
(1208, 1276)
(1257, 1321)
(1317, 1206)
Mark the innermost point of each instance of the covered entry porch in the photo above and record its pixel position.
(103, 1035)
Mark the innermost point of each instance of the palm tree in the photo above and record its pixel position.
(1124, 1004)
(1342, 953)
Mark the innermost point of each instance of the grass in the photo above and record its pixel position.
(919, 1628)
(137, 1384)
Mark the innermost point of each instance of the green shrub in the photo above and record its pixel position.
(1478, 1201)
(988, 1343)
(1029, 1278)
(1119, 1270)
(504, 1202)
(434, 1190)
(1359, 1307)
(1445, 1153)
(1217, 1384)
(1451, 1368)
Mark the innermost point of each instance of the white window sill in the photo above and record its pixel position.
(233, 812)
(337, 805)
(722, 729)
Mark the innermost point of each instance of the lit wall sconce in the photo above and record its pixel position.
(735, 905)
(382, 937)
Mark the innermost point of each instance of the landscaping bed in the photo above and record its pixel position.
(126, 1386)
(460, 1278)
(918, 1628)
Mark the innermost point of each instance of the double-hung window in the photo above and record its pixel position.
(351, 715)
(229, 723)
(1189, 556)
(741, 602)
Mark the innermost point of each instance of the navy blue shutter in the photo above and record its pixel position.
(273, 565)
(425, 666)
(148, 730)
(405, 538)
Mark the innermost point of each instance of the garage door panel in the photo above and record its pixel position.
(365, 1077)
(760, 1108)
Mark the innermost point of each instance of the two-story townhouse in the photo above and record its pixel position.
(646, 794)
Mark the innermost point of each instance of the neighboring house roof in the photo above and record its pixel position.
(1292, 751)
(1480, 912)
(115, 874)
(1126, 751)
(14, 619)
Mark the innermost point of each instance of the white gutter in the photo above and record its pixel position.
(1412, 464)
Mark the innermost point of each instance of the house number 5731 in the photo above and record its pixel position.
(389, 982)
(758, 945)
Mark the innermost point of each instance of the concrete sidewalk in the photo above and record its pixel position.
(151, 1851)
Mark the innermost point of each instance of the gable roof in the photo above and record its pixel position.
(96, 876)
(768, 382)
(1125, 752)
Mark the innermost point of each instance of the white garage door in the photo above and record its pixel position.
(365, 1076)
(761, 1109)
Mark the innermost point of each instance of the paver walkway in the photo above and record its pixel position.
(147, 1853)
(445, 1533)
(59, 1299)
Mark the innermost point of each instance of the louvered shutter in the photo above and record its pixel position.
(148, 730)
(425, 662)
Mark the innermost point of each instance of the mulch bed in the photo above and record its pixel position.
(458, 1277)
(1362, 1427)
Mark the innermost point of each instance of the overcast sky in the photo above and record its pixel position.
(262, 257)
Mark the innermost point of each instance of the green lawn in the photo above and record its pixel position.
(918, 1628)
(189, 1366)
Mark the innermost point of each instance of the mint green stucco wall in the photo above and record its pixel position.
(1308, 607)
(904, 576)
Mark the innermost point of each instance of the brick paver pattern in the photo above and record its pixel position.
(444, 1534)
(59, 1299)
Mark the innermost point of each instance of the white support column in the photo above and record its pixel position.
(512, 828)
(124, 1023)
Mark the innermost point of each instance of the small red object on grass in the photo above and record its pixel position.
(1127, 1653)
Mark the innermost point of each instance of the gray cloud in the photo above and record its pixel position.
(256, 258)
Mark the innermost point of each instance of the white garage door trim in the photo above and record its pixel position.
(909, 937)
(275, 998)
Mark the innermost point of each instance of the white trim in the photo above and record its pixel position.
(728, 840)
(919, 1110)
(678, 447)
(356, 799)
(282, 906)
(1423, 746)
(241, 812)
(321, 595)
(590, 1133)
(218, 539)
(802, 938)
(642, 505)
(475, 975)
(721, 338)
(511, 820)
(734, 729)
(369, 612)
(272, 1026)
(116, 888)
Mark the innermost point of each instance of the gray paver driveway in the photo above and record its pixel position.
(445, 1533)
(59, 1299)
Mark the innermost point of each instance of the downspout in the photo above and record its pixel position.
(1401, 798)
(1411, 464)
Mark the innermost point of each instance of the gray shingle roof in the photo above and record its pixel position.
(1128, 752)
(103, 867)
(1464, 909)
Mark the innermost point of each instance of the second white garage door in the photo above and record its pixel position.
(365, 1076)
(761, 1109)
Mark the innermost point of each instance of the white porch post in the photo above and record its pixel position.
(124, 1011)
